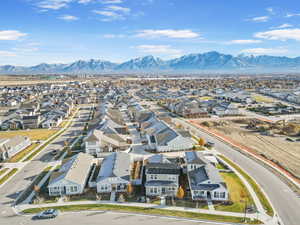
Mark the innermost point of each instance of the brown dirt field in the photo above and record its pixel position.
(276, 148)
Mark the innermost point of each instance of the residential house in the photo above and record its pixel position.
(11, 146)
(72, 176)
(162, 177)
(114, 174)
(204, 179)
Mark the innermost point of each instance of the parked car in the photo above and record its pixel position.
(209, 144)
(47, 214)
(54, 152)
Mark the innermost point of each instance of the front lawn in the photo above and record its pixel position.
(262, 198)
(142, 210)
(238, 193)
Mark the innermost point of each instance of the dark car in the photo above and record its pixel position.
(54, 152)
(47, 214)
(209, 144)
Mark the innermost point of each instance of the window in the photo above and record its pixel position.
(216, 194)
(222, 195)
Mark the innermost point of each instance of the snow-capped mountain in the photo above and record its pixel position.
(193, 62)
(143, 63)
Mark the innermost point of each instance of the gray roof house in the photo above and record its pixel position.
(71, 177)
(114, 174)
(162, 176)
(204, 179)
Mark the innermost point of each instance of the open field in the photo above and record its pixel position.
(275, 148)
(143, 210)
(34, 134)
(22, 154)
(239, 194)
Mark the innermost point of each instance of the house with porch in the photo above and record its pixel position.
(72, 176)
(162, 176)
(204, 179)
(114, 174)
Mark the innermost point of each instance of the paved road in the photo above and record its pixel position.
(105, 218)
(285, 201)
(10, 191)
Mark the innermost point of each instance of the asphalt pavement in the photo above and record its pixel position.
(10, 191)
(284, 200)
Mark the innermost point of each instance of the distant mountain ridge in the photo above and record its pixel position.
(209, 61)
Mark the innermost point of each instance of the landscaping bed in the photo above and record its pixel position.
(8, 175)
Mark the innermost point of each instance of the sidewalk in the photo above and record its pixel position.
(263, 218)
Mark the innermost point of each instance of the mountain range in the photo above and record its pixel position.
(209, 61)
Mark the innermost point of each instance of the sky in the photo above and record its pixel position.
(62, 31)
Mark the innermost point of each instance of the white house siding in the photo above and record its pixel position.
(112, 184)
(177, 144)
(158, 190)
(64, 187)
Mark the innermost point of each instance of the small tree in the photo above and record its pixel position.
(180, 193)
(121, 198)
(201, 141)
(129, 189)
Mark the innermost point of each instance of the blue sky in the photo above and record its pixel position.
(62, 31)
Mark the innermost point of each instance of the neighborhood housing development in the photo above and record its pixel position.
(201, 149)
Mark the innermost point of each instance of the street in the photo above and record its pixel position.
(284, 200)
(10, 191)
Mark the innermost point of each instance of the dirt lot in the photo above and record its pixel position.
(276, 148)
(34, 134)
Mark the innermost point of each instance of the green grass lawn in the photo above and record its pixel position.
(263, 199)
(8, 175)
(142, 210)
(236, 191)
(220, 166)
(3, 171)
(22, 154)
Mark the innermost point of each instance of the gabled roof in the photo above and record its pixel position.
(195, 157)
(73, 170)
(162, 168)
(116, 164)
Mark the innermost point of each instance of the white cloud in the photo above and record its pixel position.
(118, 8)
(270, 10)
(53, 4)
(167, 33)
(260, 19)
(26, 49)
(158, 49)
(68, 18)
(288, 15)
(111, 1)
(109, 15)
(58, 4)
(247, 41)
(263, 51)
(280, 34)
(111, 36)
(7, 54)
(285, 25)
(84, 1)
(10, 35)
